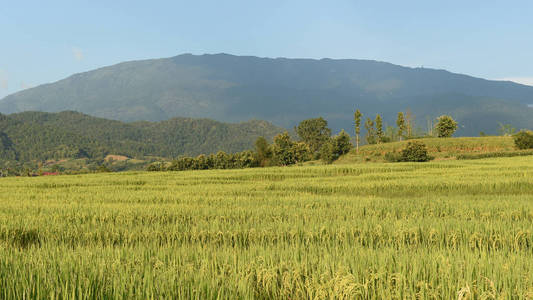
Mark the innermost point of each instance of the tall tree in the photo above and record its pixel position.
(314, 132)
(379, 128)
(357, 118)
(400, 122)
(409, 122)
(370, 131)
(263, 151)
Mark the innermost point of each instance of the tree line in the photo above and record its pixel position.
(445, 126)
(314, 141)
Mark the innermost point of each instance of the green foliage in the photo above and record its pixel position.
(357, 120)
(283, 150)
(523, 139)
(379, 129)
(103, 169)
(327, 152)
(263, 151)
(414, 151)
(337, 146)
(54, 136)
(313, 132)
(445, 126)
(400, 123)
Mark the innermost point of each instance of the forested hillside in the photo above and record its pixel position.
(283, 91)
(43, 136)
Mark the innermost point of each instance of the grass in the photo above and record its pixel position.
(440, 148)
(438, 230)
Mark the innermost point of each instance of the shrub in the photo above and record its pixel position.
(523, 140)
(415, 151)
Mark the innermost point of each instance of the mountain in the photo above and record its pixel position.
(41, 136)
(283, 91)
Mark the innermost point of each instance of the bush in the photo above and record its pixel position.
(523, 140)
(415, 151)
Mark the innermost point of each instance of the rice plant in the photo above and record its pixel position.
(438, 230)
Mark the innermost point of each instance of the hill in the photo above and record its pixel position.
(283, 91)
(440, 148)
(43, 136)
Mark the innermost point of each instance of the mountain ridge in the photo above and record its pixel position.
(283, 91)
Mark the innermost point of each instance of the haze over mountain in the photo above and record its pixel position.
(283, 91)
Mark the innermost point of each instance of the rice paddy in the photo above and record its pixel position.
(440, 230)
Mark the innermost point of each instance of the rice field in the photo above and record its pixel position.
(439, 230)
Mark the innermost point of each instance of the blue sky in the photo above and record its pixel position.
(44, 41)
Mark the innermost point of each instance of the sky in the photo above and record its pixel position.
(45, 41)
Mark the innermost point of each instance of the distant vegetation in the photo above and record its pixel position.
(282, 91)
(34, 143)
(30, 138)
(315, 142)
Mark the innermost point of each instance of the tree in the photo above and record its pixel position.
(327, 153)
(445, 126)
(301, 152)
(263, 151)
(282, 149)
(341, 143)
(379, 128)
(357, 119)
(370, 131)
(337, 146)
(400, 122)
(314, 132)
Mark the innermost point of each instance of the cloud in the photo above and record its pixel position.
(3, 80)
(521, 80)
(77, 53)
